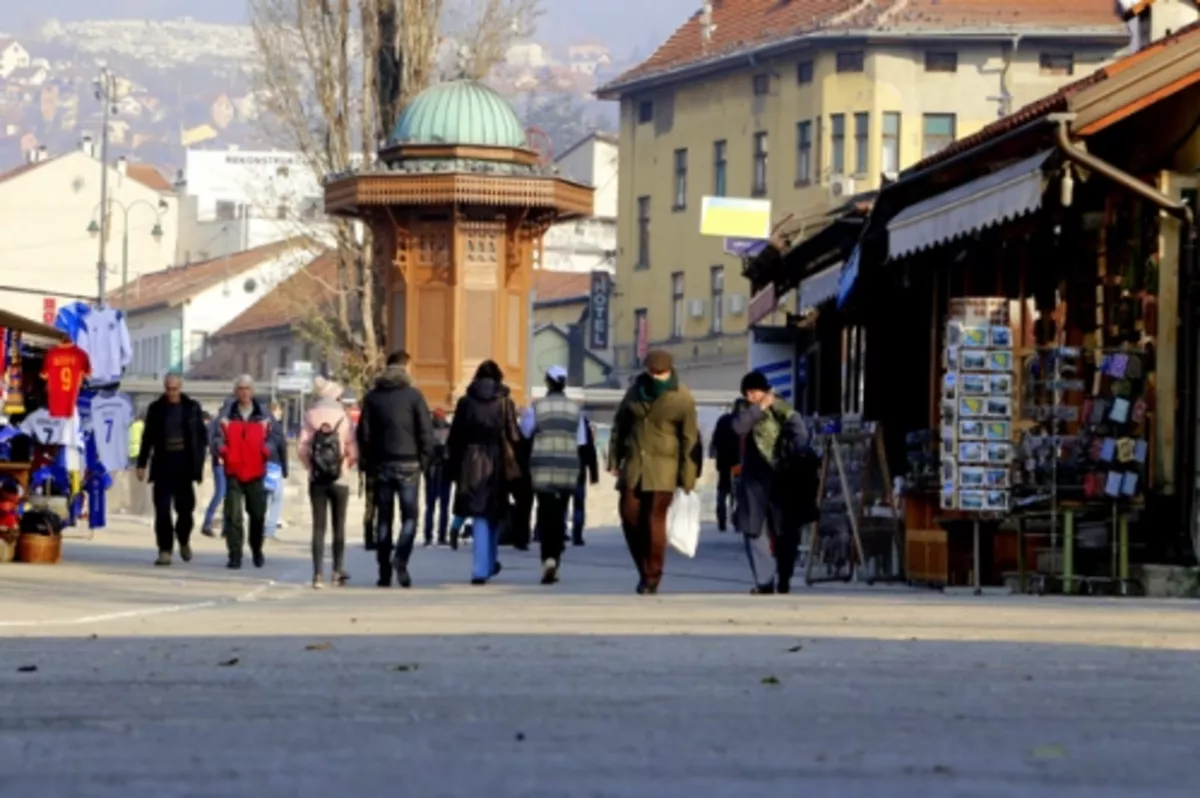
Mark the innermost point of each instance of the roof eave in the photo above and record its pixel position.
(614, 91)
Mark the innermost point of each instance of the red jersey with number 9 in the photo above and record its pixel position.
(63, 370)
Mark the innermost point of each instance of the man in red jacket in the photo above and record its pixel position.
(244, 447)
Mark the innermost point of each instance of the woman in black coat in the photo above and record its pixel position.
(483, 436)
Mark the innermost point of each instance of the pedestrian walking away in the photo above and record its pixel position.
(329, 453)
(277, 471)
(773, 435)
(245, 442)
(213, 426)
(395, 445)
(589, 474)
(557, 432)
(483, 461)
(655, 432)
(173, 447)
(437, 483)
(725, 450)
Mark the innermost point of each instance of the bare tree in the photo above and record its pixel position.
(335, 76)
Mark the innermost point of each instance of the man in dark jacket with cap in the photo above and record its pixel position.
(395, 445)
(773, 435)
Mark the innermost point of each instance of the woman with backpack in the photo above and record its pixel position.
(328, 452)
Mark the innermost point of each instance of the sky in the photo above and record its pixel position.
(610, 20)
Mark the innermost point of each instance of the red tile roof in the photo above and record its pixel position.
(23, 169)
(742, 25)
(313, 288)
(1059, 101)
(149, 176)
(183, 282)
(555, 286)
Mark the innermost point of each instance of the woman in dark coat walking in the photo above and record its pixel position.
(483, 438)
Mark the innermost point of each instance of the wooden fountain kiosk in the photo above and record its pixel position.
(457, 205)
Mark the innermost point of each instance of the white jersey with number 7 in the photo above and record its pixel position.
(111, 418)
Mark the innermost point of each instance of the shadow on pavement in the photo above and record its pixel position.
(591, 715)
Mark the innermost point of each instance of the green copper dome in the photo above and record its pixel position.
(459, 112)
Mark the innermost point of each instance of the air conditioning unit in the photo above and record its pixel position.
(696, 308)
(841, 187)
(737, 304)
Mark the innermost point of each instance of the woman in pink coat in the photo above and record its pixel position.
(328, 452)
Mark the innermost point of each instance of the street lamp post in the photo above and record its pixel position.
(106, 92)
(101, 229)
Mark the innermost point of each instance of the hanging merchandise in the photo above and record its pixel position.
(14, 399)
(64, 369)
(4, 369)
(105, 337)
(111, 417)
(70, 319)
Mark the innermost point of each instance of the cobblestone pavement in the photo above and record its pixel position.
(119, 679)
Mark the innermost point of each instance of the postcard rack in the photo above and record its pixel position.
(858, 533)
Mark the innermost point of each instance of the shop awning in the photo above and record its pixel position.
(818, 288)
(1007, 194)
(11, 321)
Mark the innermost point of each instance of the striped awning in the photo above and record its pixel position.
(1010, 193)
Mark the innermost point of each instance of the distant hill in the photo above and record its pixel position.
(565, 20)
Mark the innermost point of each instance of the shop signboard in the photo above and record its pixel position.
(732, 217)
(598, 312)
(176, 351)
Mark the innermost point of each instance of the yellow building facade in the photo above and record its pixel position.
(807, 126)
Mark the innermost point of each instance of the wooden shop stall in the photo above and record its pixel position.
(27, 530)
(1021, 296)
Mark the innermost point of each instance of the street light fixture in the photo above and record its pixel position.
(101, 228)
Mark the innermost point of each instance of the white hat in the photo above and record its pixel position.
(556, 374)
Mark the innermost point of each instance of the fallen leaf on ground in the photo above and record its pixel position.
(1049, 752)
(318, 646)
(795, 648)
(229, 663)
(27, 669)
(771, 681)
(406, 668)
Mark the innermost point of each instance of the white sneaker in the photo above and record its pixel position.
(549, 571)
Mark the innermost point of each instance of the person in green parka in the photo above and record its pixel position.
(655, 432)
(772, 433)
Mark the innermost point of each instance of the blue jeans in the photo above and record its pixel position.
(218, 473)
(274, 508)
(437, 503)
(394, 486)
(579, 509)
(487, 543)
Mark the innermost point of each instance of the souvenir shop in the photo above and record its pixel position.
(65, 427)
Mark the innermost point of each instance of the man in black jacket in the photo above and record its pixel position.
(726, 449)
(438, 483)
(395, 445)
(174, 445)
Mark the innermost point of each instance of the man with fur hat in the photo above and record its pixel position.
(772, 435)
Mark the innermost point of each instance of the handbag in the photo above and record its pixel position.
(512, 468)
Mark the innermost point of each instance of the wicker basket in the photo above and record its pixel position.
(40, 549)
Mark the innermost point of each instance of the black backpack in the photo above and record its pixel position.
(326, 456)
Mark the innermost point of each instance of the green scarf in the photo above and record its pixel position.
(769, 428)
(650, 389)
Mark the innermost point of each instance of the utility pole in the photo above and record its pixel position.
(106, 92)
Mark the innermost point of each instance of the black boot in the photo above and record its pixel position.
(385, 576)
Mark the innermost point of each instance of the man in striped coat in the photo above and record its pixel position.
(556, 428)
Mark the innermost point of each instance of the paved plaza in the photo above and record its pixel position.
(119, 679)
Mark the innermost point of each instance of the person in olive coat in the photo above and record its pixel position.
(655, 433)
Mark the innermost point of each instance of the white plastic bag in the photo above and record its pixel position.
(683, 523)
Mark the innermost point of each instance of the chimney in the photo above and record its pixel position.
(1151, 22)
(123, 165)
(87, 147)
